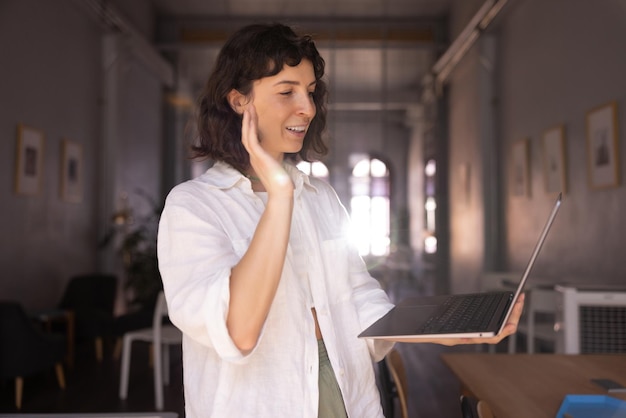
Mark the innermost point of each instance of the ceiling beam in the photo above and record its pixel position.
(466, 39)
(208, 35)
(178, 32)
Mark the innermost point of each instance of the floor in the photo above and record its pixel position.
(92, 387)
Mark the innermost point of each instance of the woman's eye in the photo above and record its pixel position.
(286, 93)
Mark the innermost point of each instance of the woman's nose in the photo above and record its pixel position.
(307, 106)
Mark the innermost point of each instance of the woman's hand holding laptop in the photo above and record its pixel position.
(509, 328)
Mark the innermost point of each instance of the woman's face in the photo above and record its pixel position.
(284, 106)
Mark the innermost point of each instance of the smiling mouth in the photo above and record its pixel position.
(297, 129)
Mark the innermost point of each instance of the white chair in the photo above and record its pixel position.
(161, 336)
(591, 318)
(541, 300)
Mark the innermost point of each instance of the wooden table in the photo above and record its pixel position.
(533, 385)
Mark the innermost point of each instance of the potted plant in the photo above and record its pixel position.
(135, 236)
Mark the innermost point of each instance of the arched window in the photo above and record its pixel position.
(369, 206)
(315, 169)
(430, 206)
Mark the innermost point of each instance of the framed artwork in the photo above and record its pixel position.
(29, 160)
(521, 173)
(554, 163)
(602, 146)
(71, 171)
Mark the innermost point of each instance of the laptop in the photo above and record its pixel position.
(472, 315)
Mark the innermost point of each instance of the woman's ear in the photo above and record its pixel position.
(237, 101)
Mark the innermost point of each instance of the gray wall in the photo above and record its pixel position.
(51, 78)
(552, 62)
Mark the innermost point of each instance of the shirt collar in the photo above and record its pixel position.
(224, 176)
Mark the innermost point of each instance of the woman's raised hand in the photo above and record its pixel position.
(254, 280)
(270, 171)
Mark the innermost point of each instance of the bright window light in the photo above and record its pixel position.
(319, 169)
(369, 205)
(305, 167)
(361, 169)
(430, 207)
(430, 245)
(430, 204)
(378, 168)
(315, 169)
(431, 168)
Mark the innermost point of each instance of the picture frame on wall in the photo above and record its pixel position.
(554, 161)
(71, 171)
(602, 146)
(520, 176)
(29, 164)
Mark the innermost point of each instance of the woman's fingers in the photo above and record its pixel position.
(248, 130)
(250, 139)
(514, 318)
(509, 328)
(266, 167)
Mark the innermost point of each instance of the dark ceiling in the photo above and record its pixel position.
(377, 51)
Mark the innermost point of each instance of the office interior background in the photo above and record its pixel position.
(461, 113)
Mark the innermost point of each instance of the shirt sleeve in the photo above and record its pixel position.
(371, 302)
(195, 261)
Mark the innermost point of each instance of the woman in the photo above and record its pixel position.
(256, 265)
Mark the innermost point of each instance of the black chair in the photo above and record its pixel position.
(474, 408)
(92, 298)
(386, 388)
(25, 349)
(468, 407)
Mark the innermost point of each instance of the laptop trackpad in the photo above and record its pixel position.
(402, 320)
(410, 318)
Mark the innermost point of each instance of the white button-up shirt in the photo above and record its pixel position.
(205, 229)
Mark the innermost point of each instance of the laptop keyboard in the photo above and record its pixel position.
(464, 313)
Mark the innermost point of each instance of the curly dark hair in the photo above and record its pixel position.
(254, 52)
